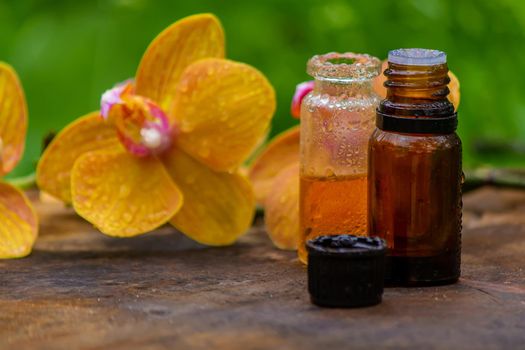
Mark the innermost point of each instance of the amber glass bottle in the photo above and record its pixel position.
(415, 171)
(337, 119)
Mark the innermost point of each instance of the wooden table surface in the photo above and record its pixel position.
(82, 290)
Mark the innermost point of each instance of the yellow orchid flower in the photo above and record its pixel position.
(275, 172)
(167, 146)
(18, 220)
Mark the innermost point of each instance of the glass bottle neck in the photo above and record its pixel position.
(349, 88)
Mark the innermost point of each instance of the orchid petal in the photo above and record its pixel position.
(223, 109)
(123, 195)
(13, 119)
(454, 96)
(18, 223)
(184, 42)
(378, 81)
(218, 207)
(85, 134)
(282, 151)
(281, 214)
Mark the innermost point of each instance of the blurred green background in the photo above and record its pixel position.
(68, 52)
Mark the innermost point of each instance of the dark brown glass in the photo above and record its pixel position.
(415, 181)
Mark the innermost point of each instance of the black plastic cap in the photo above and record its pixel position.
(346, 270)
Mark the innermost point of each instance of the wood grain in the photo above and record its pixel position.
(82, 290)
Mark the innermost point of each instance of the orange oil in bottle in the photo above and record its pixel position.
(332, 205)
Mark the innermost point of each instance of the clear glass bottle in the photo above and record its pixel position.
(415, 171)
(337, 118)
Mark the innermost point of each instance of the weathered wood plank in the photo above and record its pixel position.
(80, 289)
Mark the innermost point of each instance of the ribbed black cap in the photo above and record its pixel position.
(346, 270)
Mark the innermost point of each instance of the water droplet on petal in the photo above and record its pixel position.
(124, 191)
(127, 217)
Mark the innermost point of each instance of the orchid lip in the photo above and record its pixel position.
(154, 139)
(141, 125)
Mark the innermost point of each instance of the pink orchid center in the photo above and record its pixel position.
(301, 91)
(142, 126)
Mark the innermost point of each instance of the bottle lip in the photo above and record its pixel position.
(343, 67)
(417, 57)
